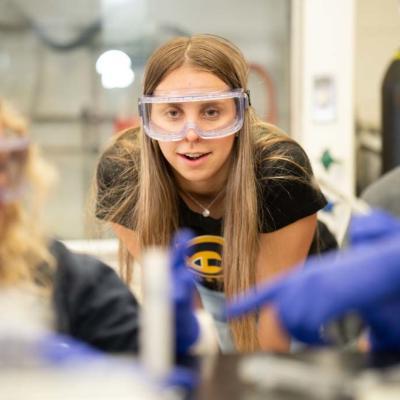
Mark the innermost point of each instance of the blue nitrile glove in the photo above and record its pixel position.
(58, 349)
(365, 279)
(186, 324)
(383, 321)
(183, 377)
(376, 225)
(384, 330)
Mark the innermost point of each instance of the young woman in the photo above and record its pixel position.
(203, 160)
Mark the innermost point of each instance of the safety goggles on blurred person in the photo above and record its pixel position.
(13, 157)
(211, 115)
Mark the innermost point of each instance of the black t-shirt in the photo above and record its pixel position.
(285, 201)
(92, 304)
(282, 202)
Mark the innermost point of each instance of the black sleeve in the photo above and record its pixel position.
(116, 176)
(287, 186)
(92, 304)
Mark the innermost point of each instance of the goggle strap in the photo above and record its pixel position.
(234, 93)
(248, 101)
(14, 144)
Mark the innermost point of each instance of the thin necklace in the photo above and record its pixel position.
(206, 210)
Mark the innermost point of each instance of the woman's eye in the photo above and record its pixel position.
(173, 113)
(211, 113)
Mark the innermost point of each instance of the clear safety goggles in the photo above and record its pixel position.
(13, 157)
(211, 115)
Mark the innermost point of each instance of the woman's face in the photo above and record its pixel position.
(199, 164)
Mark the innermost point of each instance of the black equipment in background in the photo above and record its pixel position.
(391, 115)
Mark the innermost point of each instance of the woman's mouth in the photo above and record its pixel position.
(194, 159)
(193, 156)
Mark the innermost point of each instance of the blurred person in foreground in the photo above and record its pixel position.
(46, 288)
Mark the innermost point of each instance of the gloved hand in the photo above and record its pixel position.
(384, 325)
(365, 279)
(58, 349)
(376, 225)
(384, 331)
(186, 324)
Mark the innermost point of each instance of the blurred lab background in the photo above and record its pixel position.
(316, 69)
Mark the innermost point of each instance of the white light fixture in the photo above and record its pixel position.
(114, 66)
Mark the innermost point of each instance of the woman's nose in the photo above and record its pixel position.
(192, 136)
(191, 133)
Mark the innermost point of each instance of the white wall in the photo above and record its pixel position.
(323, 47)
(377, 39)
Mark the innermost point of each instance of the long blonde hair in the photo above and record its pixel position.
(154, 194)
(23, 244)
(157, 187)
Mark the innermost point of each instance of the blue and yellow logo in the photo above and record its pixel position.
(205, 256)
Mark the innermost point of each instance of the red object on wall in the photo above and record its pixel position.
(271, 113)
(122, 124)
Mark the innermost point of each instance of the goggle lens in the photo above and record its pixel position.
(211, 115)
